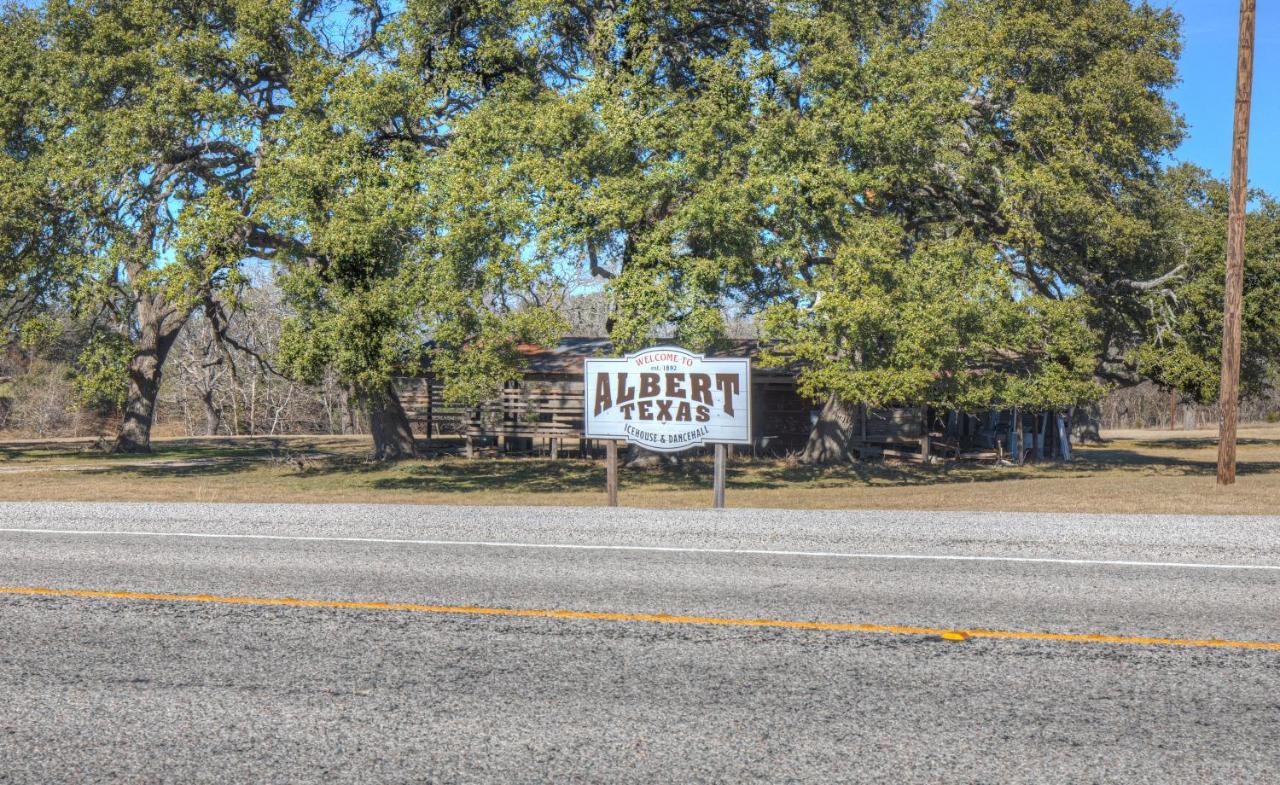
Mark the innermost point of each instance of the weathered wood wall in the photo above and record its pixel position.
(539, 408)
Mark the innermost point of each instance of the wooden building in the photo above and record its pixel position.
(543, 412)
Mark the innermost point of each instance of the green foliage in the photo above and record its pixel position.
(948, 328)
(629, 149)
(38, 248)
(1182, 348)
(958, 203)
(101, 376)
(39, 331)
(1007, 154)
(941, 202)
(409, 247)
(131, 129)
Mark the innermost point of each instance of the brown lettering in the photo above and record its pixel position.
(683, 414)
(727, 383)
(603, 399)
(645, 409)
(700, 385)
(664, 409)
(625, 393)
(649, 387)
(674, 390)
(627, 409)
(703, 414)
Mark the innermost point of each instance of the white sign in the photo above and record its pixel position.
(668, 399)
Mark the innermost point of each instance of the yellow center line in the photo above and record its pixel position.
(663, 618)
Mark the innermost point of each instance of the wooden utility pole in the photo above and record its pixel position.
(1234, 295)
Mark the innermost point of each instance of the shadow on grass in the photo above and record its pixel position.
(203, 460)
(1193, 442)
(539, 475)
(543, 476)
(199, 448)
(220, 467)
(502, 475)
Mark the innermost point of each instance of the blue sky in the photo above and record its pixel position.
(1206, 96)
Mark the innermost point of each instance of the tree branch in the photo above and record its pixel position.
(1154, 283)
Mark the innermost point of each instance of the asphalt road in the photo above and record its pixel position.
(112, 688)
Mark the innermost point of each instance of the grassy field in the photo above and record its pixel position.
(1151, 471)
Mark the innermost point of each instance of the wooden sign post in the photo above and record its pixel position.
(611, 471)
(717, 493)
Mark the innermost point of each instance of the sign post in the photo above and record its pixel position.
(717, 492)
(611, 471)
(667, 399)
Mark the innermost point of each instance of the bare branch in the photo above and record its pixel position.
(220, 322)
(1154, 283)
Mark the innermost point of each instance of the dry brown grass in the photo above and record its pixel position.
(1151, 471)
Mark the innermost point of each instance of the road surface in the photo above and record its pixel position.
(194, 643)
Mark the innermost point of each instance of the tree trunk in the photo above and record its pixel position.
(829, 438)
(348, 413)
(212, 417)
(158, 330)
(389, 425)
(1086, 426)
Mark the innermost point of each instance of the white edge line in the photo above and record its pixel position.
(649, 549)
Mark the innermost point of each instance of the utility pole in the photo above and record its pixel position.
(1230, 389)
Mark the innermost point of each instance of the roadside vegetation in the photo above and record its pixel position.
(1133, 472)
(256, 215)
